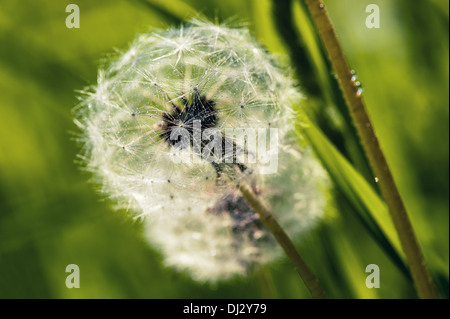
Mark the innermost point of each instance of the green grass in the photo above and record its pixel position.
(50, 216)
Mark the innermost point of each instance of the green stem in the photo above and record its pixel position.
(285, 242)
(317, 86)
(373, 149)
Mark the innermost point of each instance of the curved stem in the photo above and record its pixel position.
(373, 149)
(283, 239)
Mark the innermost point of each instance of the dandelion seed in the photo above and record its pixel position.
(140, 140)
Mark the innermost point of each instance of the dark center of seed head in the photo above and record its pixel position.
(199, 109)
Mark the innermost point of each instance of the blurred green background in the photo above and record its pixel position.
(50, 216)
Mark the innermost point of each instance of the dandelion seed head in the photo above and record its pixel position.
(164, 83)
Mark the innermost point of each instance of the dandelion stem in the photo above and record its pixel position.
(373, 149)
(282, 238)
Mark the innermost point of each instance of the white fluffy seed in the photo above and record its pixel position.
(123, 116)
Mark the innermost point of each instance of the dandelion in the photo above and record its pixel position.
(149, 134)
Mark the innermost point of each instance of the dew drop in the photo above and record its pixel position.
(321, 6)
(376, 179)
(359, 92)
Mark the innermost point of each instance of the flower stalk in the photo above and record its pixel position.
(369, 140)
(266, 216)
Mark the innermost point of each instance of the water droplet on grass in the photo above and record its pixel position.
(359, 92)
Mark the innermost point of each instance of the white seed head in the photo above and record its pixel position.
(165, 83)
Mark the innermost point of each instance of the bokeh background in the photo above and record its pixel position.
(50, 216)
